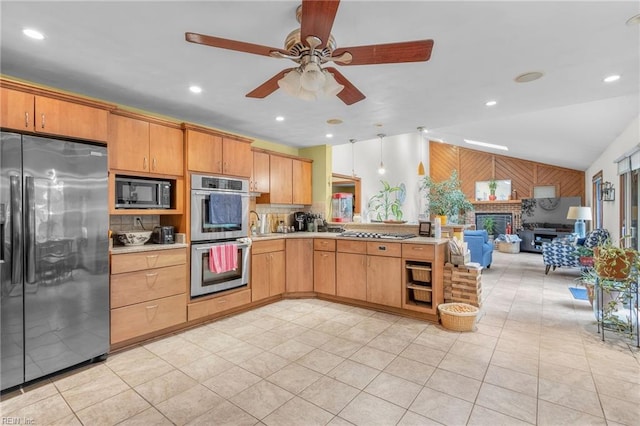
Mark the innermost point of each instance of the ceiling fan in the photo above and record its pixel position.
(311, 46)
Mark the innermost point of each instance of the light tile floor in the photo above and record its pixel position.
(535, 359)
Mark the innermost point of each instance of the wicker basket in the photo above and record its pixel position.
(457, 321)
(508, 247)
(420, 273)
(421, 294)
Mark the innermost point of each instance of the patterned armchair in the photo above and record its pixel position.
(562, 251)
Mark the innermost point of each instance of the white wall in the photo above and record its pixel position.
(627, 140)
(400, 154)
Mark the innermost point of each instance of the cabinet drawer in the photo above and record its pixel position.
(347, 246)
(324, 244)
(143, 318)
(384, 249)
(218, 304)
(130, 262)
(259, 247)
(140, 286)
(418, 251)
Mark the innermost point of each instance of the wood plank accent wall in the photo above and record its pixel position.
(473, 165)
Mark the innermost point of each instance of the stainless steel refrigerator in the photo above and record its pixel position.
(54, 295)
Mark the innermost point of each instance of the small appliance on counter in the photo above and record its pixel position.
(300, 219)
(342, 207)
(163, 235)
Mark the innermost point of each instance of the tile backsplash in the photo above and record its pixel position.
(127, 222)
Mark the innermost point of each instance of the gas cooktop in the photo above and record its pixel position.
(382, 236)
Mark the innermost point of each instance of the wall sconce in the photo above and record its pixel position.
(607, 192)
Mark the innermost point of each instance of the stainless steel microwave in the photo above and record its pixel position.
(138, 193)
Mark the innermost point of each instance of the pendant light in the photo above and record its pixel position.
(353, 167)
(420, 141)
(381, 169)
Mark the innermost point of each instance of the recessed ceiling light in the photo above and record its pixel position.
(378, 125)
(528, 76)
(490, 103)
(34, 34)
(611, 78)
(334, 121)
(329, 135)
(279, 118)
(195, 89)
(486, 145)
(634, 20)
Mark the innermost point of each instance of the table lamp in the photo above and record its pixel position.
(579, 214)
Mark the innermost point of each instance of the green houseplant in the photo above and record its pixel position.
(445, 198)
(492, 189)
(489, 224)
(387, 203)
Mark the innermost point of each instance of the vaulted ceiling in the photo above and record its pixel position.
(135, 54)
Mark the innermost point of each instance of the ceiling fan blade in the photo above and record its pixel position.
(350, 94)
(391, 53)
(239, 46)
(317, 19)
(268, 87)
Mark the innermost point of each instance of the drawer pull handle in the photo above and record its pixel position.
(43, 121)
(26, 119)
(152, 260)
(383, 248)
(222, 301)
(151, 279)
(152, 307)
(417, 248)
(151, 312)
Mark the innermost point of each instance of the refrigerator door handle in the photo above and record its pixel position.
(30, 225)
(16, 229)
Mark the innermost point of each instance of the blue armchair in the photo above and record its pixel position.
(562, 251)
(479, 246)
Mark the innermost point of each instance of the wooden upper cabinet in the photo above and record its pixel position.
(236, 157)
(204, 152)
(139, 146)
(16, 110)
(260, 176)
(302, 186)
(166, 150)
(128, 144)
(281, 177)
(34, 113)
(210, 153)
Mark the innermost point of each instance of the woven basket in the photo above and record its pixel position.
(457, 321)
(507, 247)
(419, 294)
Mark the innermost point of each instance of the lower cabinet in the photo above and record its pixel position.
(324, 266)
(148, 292)
(299, 265)
(267, 269)
(216, 305)
(369, 271)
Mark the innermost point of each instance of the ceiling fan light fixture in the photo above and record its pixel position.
(312, 78)
(290, 83)
(331, 86)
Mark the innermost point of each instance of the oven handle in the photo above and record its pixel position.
(207, 193)
(208, 246)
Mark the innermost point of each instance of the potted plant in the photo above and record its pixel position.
(387, 203)
(492, 189)
(445, 198)
(613, 263)
(489, 224)
(585, 256)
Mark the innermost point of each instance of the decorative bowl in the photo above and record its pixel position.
(133, 238)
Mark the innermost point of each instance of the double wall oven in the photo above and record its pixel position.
(219, 215)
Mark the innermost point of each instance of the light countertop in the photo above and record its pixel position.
(146, 247)
(335, 235)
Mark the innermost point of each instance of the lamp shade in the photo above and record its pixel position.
(579, 213)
